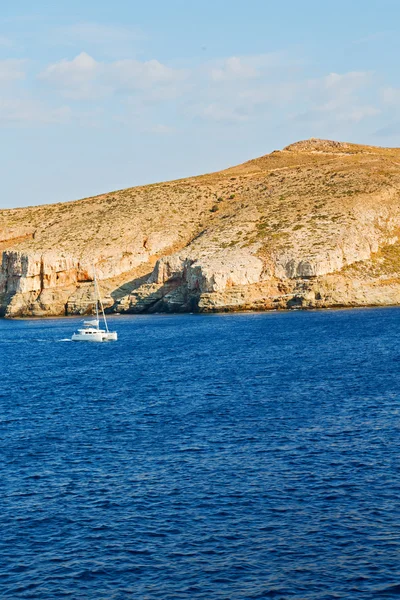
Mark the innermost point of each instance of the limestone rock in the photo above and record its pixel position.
(316, 224)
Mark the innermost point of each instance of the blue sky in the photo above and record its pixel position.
(101, 95)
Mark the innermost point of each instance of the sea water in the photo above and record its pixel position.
(202, 457)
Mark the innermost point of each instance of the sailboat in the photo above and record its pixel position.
(91, 332)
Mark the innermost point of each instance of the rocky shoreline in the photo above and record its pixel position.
(315, 225)
(171, 290)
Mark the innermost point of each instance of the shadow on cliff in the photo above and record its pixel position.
(127, 288)
(171, 296)
(5, 300)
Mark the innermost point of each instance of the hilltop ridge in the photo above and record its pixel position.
(315, 224)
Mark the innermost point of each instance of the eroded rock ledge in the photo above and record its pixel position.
(314, 225)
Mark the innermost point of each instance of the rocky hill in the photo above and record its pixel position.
(314, 225)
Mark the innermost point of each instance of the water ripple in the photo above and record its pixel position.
(202, 457)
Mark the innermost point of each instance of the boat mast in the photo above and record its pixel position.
(98, 299)
(97, 302)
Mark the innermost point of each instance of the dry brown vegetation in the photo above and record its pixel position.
(310, 198)
(309, 188)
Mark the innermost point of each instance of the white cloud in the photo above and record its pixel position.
(11, 70)
(230, 89)
(236, 89)
(252, 87)
(133, 74)
(84, 77)
(23, 111)
(337, 98)
(351, 79)
(271, 94)
(355, 113)
(241, 88)
(245, 67)
(75, 77)
(233, 68)
(358, 113)
(391, 96)
(347, 81)
(266, 88)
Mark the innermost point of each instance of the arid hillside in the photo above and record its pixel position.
(316, 224)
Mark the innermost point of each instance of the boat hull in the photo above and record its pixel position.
(112, 336)
(94, 335)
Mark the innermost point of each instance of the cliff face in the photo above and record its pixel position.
(316, 224)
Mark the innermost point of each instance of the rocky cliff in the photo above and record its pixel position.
(314, 225)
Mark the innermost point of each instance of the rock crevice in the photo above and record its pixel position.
(314, 225)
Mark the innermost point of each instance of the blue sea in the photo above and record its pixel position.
(224, 457)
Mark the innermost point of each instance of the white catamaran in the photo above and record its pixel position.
(91, 331)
